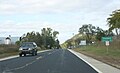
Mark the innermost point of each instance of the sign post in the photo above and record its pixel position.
(107, 41)
(107, 44)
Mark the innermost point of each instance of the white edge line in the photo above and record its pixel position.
(85, 61)
(15, 56)
(10, 57)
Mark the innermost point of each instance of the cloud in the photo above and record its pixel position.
(29, 6)
(54, 6)
(12, 28)
(36, 26)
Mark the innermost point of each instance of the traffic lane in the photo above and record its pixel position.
(61, 61)
(20, 61)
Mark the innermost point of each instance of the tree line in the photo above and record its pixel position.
(94, 33)
(91, 33)
(46, 39)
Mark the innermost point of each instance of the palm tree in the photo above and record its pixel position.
(114, 21)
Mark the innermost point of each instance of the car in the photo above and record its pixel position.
(28, 48)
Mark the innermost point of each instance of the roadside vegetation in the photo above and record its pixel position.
(95, 47)
(47, 39)
(100, 52)
(8, 50)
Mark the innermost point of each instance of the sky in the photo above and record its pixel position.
(66, 16)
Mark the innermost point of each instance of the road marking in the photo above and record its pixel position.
(27, 64)
(39, 57)
(75, 53)
(10, 57)
(49, 53)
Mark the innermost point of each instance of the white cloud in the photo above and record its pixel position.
(18, 29)
(28, 6)
(37, 6)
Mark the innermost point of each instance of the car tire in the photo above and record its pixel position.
(20, 55)
(36, 53)
(24, 54)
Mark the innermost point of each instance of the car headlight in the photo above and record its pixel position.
(29, 48)
(20, 49)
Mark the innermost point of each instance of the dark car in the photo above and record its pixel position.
(28, 48)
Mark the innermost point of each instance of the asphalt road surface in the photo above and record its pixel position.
(54, 61)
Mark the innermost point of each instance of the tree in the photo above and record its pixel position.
(99, 33)
(57, 44)
(114, 21)
(88, 30)
(46, 38)
(69, 43)
(55, 33)
(102, 33)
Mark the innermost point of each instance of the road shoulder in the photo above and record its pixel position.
(95, 64)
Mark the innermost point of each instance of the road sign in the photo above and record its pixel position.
(107, 43)
(104, 39)
(82, 42)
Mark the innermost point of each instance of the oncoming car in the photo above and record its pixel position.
(28, 48)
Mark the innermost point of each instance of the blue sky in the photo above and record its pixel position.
(66, 16)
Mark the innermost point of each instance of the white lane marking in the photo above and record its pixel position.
(49, 53)
(2, 59)
(39, 57)
(75, 53)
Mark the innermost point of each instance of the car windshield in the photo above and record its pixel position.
(27, 45)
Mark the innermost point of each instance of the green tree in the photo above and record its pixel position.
(102, 33)
(99, 33)
(46, 38)
(88, 30)
(55, 33)
(114, 21)
(57, 44)
(69, 43)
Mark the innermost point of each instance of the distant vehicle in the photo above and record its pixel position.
(28, 48)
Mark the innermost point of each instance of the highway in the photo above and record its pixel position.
(53, 61)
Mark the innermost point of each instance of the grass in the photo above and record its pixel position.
(8, 54)
(8, 50)
(99, 52)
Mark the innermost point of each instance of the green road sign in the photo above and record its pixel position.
(104, 39)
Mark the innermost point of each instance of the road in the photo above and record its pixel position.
(54, 61)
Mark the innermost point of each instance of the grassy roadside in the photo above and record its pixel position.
(112, 57)
(8, 50)
(8, 55)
